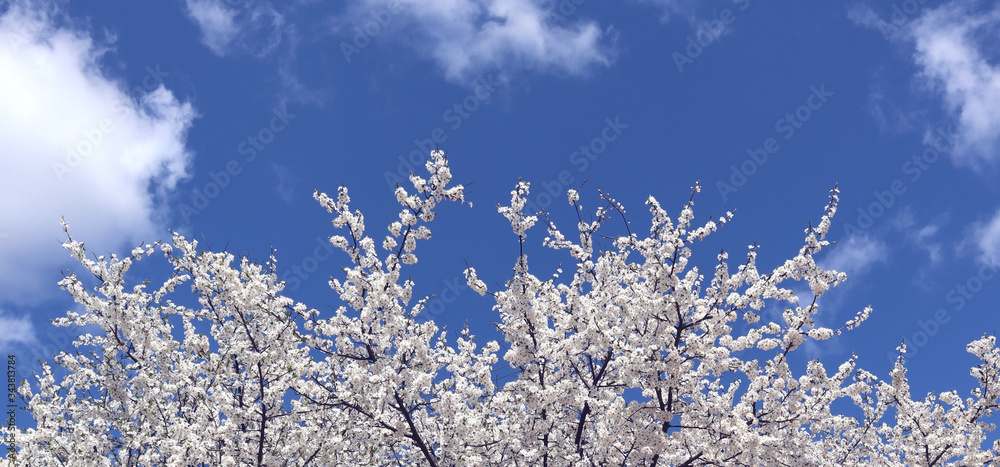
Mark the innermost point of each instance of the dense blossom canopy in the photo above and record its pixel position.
(278, 383)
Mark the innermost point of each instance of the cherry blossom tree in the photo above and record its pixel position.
(243, 375)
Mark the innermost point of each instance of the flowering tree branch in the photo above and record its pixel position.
(637, 359)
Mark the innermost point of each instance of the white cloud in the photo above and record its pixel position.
(923, 237)
(986, 238)
(468, 37)
(954, 47)
(251, 27)
(894, 114)
(863, 15)
(255, 28)
(856, 254)
(950, 48)
(15, 331)
(672, 8)
(75, 143)
(217, 23)
(286, 182)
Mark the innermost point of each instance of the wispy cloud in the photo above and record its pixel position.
(954, 49)
(857, 254)
(986, 238)
(950, 48)
(286, 182)
(256, 28)
(217, 23)
(921, 236)
(15, 331)
(249, 27)
(672, 8)
(863, 15)
(467, 37)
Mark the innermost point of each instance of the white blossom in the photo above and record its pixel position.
(634, 361)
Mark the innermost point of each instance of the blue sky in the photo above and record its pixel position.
(218, 119)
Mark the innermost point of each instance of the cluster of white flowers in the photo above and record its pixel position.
(251, 377)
